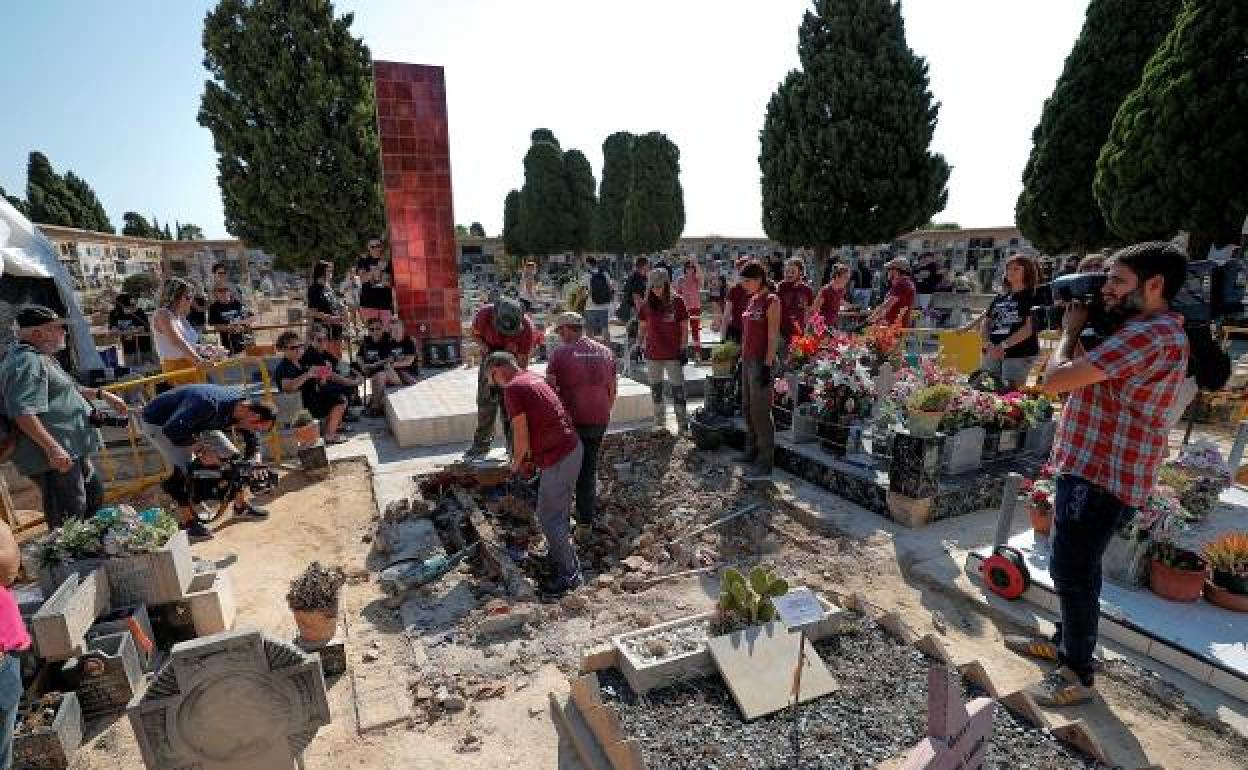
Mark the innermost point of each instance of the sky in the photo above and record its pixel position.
(111, 91)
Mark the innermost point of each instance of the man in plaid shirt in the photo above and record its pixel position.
(1111, 438)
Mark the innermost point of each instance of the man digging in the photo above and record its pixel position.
(501, 326)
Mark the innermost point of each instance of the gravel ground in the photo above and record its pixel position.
(879, 712)
(671, 642)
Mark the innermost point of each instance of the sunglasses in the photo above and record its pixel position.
(295, 346)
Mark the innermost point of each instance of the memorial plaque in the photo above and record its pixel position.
(798, 608)
(234, 701)
(958, 733)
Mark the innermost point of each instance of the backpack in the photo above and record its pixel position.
(1207, 362)
(600, 290)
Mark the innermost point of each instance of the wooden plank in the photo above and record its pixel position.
(586, 747)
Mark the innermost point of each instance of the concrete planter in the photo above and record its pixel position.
(148, 578)
(1040, 438)
(110, 675)
(963, 451)
(53, 747)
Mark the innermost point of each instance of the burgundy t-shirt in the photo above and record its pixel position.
(903, 291)
(663, 328)
(521, 345)
(581, 374)
(739, 298)
(551, 436)
(795, 300)
(754, 333)
(830, 304)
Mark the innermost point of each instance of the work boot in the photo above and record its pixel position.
(1031, 646)
(1061, 687)
(251, 512)
(196, 532)
(555, 587)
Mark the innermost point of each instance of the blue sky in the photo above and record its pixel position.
(111, 90)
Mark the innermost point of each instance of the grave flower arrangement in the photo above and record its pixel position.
(1040, 494)
(112, 532)
(1228, 558)
(1161, 518)
(970, 408)
(1009, 414)
(1037, 409)
(1199, 475)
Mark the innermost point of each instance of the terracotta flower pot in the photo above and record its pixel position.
(1228, 600)
(306, 435)
(1179, 585)
(1041, 519)
(316, 626)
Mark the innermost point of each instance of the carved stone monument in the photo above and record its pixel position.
(958, 733)
(233, 701)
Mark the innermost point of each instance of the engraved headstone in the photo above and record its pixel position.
(958, 733)
(233, 701)
(914, 467)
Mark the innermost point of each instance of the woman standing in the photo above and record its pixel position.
(689, 287)
(1010, 343)
(176, 341)
(828, 301)
(717, 291)
(760, 342)
(376, 296)
(528, 286)
(663, 335)
(735, 300)
(326, 307)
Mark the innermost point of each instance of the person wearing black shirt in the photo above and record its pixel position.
(928, 276)
(230, 320)
(128, 320)
(326, 307)
(374, 362)
(1010, 341)
(311, 380)
(405, 356)
(197, 316)
(376, 295)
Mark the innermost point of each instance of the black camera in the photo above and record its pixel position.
(1076, 287)
(222, 482)
(99, 419)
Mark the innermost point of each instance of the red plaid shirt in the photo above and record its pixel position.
(1114, 433)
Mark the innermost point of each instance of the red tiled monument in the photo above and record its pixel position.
(416, 171)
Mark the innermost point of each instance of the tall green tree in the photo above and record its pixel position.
(654, 214)
(166, 234)
(1177, 153)
(582, 200)
(48, 197)
(291, 110)
(513, 241)
(857, 163)
(1057, 210)
(617, 172)
(16, 202)
(544, 199)
(90, 213)
(190, 232)
(134, 223)
(543, 135)
(477, 230)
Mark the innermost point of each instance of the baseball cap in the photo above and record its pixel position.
(569, 319)
(30, 316)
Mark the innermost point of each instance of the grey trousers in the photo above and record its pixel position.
(554, 507)
(760, 431)
(489, 409)
(75, 494)
(674, 373)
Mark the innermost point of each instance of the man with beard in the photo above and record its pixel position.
(1111, 438)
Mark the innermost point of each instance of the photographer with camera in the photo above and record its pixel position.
(218, 472)
(56, 423)
(1111, 438)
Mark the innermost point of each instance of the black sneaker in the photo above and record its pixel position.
(553, 588)
(196, 532)
(250, 512)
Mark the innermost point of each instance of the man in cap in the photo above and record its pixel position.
(52, 414)
(582, 372)
(899, 301)
(498, 326)
(544, 439)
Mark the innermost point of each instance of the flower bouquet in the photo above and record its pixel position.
(111, 532)
(927, 407)
(1040, 493)
(1199, 475)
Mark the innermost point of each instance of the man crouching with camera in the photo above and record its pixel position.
(1111, 437)
(55, 420)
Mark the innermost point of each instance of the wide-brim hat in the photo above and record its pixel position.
(30, 316)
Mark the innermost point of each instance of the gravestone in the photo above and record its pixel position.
(234, 701)
(958, 733)
(914, 467)
(883, 387)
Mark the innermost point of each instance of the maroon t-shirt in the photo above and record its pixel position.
(830, 299)
(795, 300)
(581, 374)
(739, 298)
(903, 291)
(663, 328)
(754, 333)
(521, 345)
(551, 436)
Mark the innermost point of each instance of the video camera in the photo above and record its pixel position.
(231, 476)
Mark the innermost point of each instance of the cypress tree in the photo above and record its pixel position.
(654, 214)
(858, 164)
(617, 171)
(133, 223)
(544, 200)
(91, 213)
(477, 229)
(1057, 210)
(16, 202)
(1177, 153)
(166, 234)
(513, 242)
(582, 199)
(190, 232)
(48, 197)
(291, 110)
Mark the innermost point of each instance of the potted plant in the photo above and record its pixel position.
(1228, 562)
(745, 602)
(927, 407)
(724, 358)
(964, 443)
(307, 429)
(313, 599)
(1176, 573)
(1011, 420)
(1199, 475)
(1039, 494)
(1038, 419)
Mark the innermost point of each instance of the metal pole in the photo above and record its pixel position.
(797, 696)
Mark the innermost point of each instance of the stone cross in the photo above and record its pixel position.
(957, 732)
(883, 386)
(233, 701)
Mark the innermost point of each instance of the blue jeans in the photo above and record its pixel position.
(1085, 517)
(10, 694)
